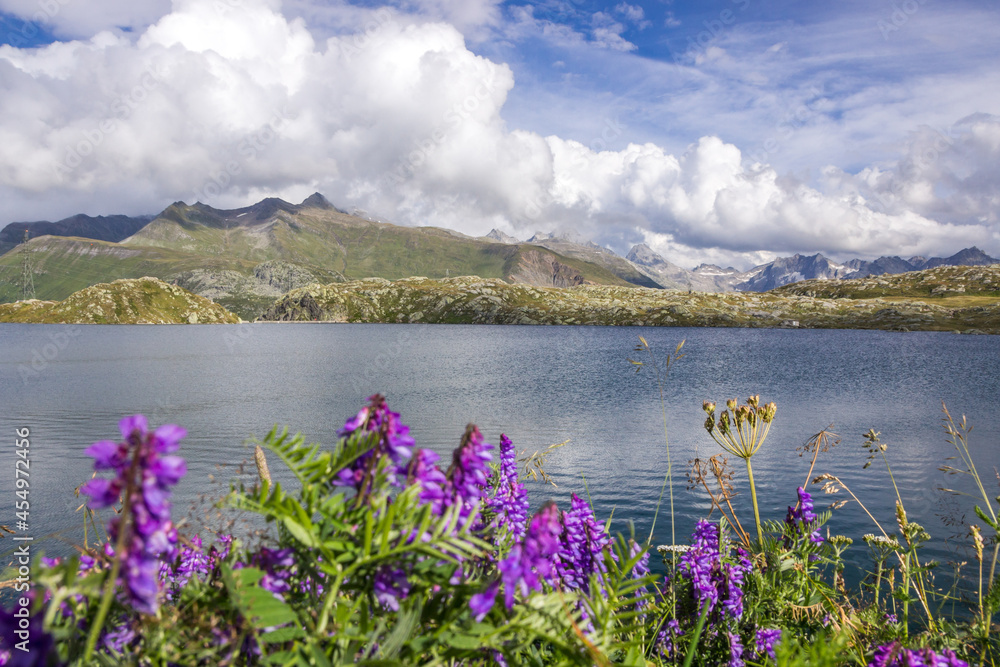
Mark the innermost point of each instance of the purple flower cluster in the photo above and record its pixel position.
(469, 471)
(666, 640)
(558, 548)
(583, 544)
(529, 562)
(711, 579)
(144, 471)
(894, 655)
(639, 570)
(800, 519)
(277, 565)
(510, 504)
(735, 650)
(764, 643)
(391, 585)
(394, 441)
(424, 472)
(24, 644)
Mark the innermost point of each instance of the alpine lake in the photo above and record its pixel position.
(228, 384)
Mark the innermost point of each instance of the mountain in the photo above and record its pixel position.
(672, 276)
(242, 257)
(789, 270)
(497, 235)
(568, 245)
(112, 228)
(968, 257)
(785, 270)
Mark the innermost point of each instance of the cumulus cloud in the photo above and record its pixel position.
(84, 18)
(402, 119)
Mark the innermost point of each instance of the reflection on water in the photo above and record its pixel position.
(539, 385)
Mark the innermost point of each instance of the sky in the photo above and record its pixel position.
(720, 131)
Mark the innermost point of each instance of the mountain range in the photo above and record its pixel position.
(244, 258)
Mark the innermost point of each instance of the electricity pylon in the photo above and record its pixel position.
(27, 271)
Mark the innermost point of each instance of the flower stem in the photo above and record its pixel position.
(756, 511)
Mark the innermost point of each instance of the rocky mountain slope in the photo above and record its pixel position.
(141, 301)
(470, 300)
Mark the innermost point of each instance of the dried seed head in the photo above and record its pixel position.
(753, 401)
(731, 403)
(261, 461)
(977, 542)
(709, 424)
(709, 407)
(901, 516)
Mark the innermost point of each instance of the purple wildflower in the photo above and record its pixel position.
(144, 469)
(701, 564)
(390, 586)
(277, 565)
(583, 544)
(735, 650)
(894, 654)
(734, 574)
(119, 638)
(666, 640)
(801, 517)
(639, 570)
(30, 636)
(712, 580)
(467, 475)
(510, 504)
(433, 484)
(528, 563)
(764, 642)
(481, 603)
(394, 441)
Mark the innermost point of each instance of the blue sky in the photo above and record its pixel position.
(728, 131)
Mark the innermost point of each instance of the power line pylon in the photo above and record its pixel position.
(27, 271)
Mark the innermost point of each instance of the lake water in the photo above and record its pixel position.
(539, 385)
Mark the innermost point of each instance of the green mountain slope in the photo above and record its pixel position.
(234, 256)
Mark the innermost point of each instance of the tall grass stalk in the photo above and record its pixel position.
(661, 377)
(958, 436)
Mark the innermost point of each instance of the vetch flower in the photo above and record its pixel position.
(801, 518)
(393, 441)
(764, 642)
(510, 504)
(468, 472)
(583, 545)
(894, 654)
(145, 470)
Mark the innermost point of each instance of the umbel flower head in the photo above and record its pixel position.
(145, 470)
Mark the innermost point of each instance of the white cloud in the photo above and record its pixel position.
(402, 119)
(84, 18)
(607, 33)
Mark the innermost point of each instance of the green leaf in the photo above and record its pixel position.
(982, 515)
(299, 532)
(258, 605)
(282, 635)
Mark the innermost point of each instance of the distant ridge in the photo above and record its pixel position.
(112, 228)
